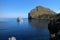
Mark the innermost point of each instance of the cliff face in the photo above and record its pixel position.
(41, 12)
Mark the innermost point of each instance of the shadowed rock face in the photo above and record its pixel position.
(54, 28)
(39, 12)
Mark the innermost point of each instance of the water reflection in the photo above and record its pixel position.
(42, 27)
(41, 24)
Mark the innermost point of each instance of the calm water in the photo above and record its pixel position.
(28, 30)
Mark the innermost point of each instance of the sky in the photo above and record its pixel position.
(21, 8)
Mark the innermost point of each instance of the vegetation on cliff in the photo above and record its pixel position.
(58, 15)
(41, 13)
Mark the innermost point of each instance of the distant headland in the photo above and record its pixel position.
(41, 12)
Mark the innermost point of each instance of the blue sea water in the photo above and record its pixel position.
(28, 30)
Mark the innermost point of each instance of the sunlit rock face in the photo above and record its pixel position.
(41, 12)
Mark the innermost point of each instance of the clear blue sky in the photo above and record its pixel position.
(15, 8)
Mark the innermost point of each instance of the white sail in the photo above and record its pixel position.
(11, 38)
(20, 20)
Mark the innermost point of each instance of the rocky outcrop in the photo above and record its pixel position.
(41, 12)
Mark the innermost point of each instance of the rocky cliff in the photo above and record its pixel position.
(41, 12)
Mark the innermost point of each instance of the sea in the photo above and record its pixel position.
(29, 29)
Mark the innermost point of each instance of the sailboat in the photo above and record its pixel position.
(11, 38)
(19, 20)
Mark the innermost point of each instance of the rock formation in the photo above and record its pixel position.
(41, 12)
